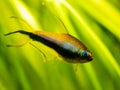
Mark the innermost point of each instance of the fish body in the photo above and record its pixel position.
(68, 47)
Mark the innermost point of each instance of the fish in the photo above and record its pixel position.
(67, 46)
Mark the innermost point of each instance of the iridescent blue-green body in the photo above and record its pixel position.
(67, 46)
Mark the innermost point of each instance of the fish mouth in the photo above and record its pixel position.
(90, 59)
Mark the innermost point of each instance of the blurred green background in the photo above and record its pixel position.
(95, 22)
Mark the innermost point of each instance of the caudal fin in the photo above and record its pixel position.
(19, 31)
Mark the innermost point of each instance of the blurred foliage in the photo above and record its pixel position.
(95, 22)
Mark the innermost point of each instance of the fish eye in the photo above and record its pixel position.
(85, 54)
